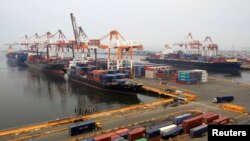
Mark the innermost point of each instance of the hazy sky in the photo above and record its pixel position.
(151, 22)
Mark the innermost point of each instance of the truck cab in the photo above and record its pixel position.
(98, 126)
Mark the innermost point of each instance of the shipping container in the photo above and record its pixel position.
(141, 139)
(114, 136)
(221, 120)
(191, 123)
(195, 121)
(210, 118)
(155, 139)
(174, 132)
(179, 119)
(205, 114)
(121, 131)
(119, 139)
(153, 132)
(104, 137)
(198, 131)
(192, 76)
(136, 134)
(121, 75)
(167, 128)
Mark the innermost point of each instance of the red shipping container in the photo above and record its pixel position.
(206, 114)
(121, 131)
(104, 137)
(96, 78)
(136, 134)
(90, 76)
(114, 136)
(155, 139)
(210, 118)
(191, 123)
(222, 120)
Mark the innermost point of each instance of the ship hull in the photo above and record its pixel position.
(230, 67)
(50, 68)
(17, 58)
(108, 88)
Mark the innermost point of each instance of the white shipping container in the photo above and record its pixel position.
(167, 128)
(150, 74)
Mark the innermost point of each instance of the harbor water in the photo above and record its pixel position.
(28, 97)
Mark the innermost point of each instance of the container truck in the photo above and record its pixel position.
(84, 127)
(219, 99)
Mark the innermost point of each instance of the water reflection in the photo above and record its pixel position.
(89, 98)
(86, 98)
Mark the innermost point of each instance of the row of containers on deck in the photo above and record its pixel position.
(152, 71)
(195, 126)
(199, 58)
(93, 73)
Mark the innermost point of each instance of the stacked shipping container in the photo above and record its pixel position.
(192, 76)
(160, 72)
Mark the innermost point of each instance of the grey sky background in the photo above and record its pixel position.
(151, 22)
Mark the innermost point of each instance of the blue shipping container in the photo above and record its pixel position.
(198, 131)
(179, 119)
(153, 132)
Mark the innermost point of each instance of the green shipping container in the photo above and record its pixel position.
(141, 139)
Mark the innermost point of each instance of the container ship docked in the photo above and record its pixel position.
(106, 80)
(196, 55)
(16, 57)
(51, 66)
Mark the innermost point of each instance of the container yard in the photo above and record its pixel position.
(122, 71)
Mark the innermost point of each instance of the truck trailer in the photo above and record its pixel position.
(219, 99)
(84, 127)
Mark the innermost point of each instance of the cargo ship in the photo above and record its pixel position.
(16, 57)
(105, 80)
(51, 66)
(195, 55)
(196, 64)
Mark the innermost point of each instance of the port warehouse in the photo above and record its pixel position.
(194, 125)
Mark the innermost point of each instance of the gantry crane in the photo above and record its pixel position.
(60, 42)
(46, 40)
(190, 44)
(122, 48)
(211, 47)
(82, 42)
